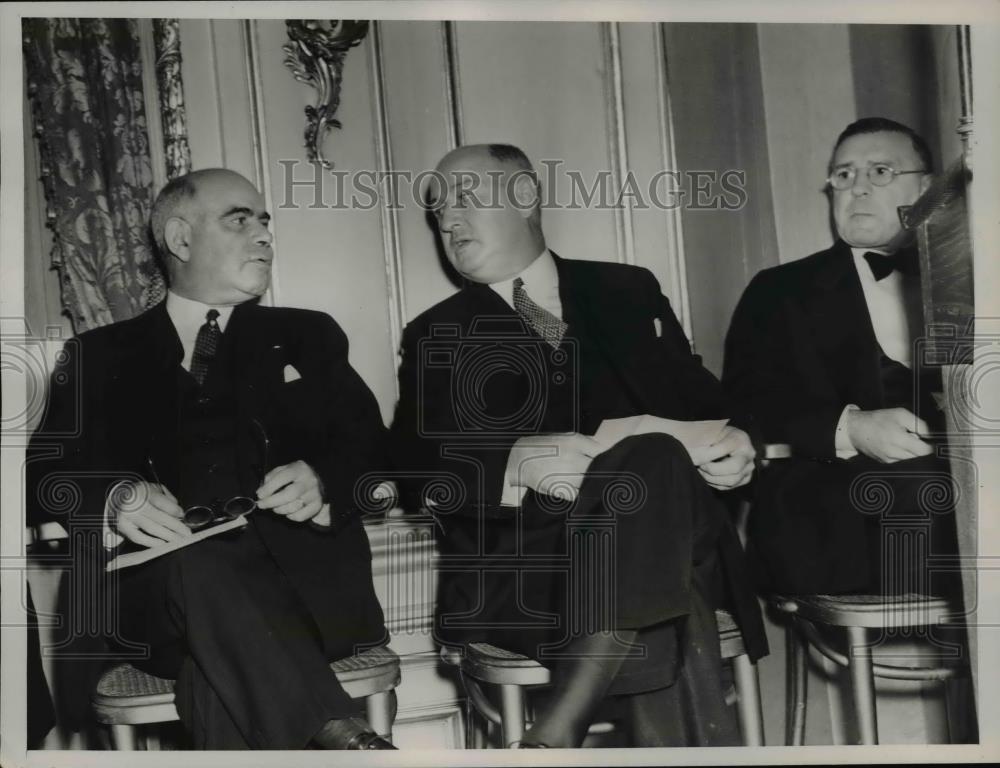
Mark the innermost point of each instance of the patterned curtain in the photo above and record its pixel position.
(85, 84)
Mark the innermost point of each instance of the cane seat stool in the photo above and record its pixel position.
(126, 697)
(484, 664)
(858, 615)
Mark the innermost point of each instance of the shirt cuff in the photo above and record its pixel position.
(109, 537)
(842, 441)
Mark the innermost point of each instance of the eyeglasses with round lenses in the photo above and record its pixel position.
(203, 515)
(879, 174)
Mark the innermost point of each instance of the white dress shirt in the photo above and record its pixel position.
(188, 316)
(541, 283)
(894, 308)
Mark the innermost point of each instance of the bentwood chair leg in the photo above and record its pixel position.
(123, 738)
(862, 683)
(381, 711)
(748, 701)
(511, 714)
(795, 694)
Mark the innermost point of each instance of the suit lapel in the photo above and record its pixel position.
(844, 334)
(585, 307)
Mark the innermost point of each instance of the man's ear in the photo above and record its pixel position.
(525, 192)
(177, 236)
(925, 182)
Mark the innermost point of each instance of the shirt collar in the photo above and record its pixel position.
(541, 279)
(188, 315)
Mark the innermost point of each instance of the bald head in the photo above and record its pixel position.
(211, 230)
(487, 206)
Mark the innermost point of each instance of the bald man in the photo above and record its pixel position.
(603, 563)
(207, 403)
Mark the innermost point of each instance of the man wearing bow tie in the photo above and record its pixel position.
(207, 401)
(603, 563)
(822, 352)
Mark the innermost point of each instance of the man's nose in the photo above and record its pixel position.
(263, 234)
(862, 184)
(450, 218)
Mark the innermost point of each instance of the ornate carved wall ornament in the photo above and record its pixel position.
(166, 36)
(316, 57)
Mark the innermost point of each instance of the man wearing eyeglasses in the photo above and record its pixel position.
(821, 352)
(204, 406)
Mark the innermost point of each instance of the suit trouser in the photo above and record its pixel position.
(252, 668)
(854, 526)
(637, 550)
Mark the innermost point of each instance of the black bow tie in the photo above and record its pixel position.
(906, 260)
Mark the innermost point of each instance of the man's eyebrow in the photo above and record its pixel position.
(236, 209)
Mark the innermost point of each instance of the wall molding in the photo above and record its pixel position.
(452, 86)
(618, 144)
(258, 135)
(388, 213)
(676, 257)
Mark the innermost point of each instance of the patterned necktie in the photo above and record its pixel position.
(545, 324)
(205, 346)
(906, 260)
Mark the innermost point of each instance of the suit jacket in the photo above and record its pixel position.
(468, 371)
(800, 347)
(644, 351)
(114, 401)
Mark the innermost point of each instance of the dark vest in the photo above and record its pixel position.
(209, 439)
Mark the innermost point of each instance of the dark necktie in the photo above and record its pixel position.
(545, 324)
(906, 260)
(205, 346)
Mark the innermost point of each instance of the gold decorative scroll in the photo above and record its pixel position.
(315, 54)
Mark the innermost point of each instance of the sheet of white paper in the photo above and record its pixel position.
(145, 555)
(691, 434)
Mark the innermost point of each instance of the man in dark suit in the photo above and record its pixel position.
(206, 398)
(604, 564)
(822, 351)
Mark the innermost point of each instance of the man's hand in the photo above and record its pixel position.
(728, 462)
(552, 464)
(294, 491)
(888, 434)
(146, 513)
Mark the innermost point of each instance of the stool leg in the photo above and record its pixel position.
(795, 715)
(152, 739)
(381, 710)
(123, 738)
(748, 701)
(511, 714)
(862, 683)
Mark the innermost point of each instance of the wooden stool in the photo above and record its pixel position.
(126, 697)
(512, 673)
(857, 614)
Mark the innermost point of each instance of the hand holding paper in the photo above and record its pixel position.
(723, 454)
(728, 462)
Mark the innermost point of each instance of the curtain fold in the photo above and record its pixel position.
(85, 85)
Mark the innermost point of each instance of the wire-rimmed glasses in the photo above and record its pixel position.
(201, 516)
(879, 174)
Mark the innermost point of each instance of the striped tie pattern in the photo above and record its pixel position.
(548, 326)
(205, 346)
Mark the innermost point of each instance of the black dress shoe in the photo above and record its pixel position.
(368, 740)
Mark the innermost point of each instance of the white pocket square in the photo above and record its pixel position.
(658, 327)
(291, 374)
